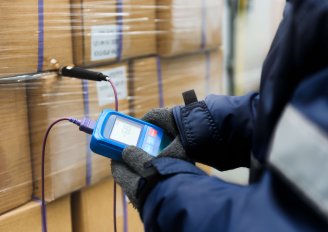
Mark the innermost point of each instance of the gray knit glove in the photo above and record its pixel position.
(163, 118)
(136, 171)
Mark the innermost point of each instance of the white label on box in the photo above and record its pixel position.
(105, 91)
(104, 42)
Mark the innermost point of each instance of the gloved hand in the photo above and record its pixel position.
(163, 118)
(135, 174)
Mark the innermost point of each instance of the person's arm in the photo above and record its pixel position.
(186, 199)
(218, 131)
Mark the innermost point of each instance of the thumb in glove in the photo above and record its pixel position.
(163, 118)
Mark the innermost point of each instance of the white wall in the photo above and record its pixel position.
(255, 30)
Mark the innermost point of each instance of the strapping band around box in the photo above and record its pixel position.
(43, 214)
(207, 72)
(39, 69)
(203, 26)
(119, 24)
(85, 92)
(159, 81)
(40, 35)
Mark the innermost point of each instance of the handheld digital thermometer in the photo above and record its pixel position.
(114, 131)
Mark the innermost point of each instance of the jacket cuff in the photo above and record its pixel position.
(170, 166)
(201, 130)
(157, 170)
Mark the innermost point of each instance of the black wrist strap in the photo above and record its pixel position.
(189, 97)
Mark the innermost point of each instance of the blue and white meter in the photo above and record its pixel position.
(114, 131)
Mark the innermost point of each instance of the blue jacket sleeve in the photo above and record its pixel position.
(223, 124)
(189, 200)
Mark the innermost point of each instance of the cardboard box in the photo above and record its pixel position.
(30, 37)
(188, 26)
(93, 209)
(15, 165)
(51, 98)
(145, 86)
(201, 72)
(105, 31)
(159, 82)
(27, 218)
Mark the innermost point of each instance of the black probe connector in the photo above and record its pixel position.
(80, 73)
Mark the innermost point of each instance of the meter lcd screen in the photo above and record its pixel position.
(125, 132)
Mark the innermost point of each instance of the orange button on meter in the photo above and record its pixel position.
(152, 132)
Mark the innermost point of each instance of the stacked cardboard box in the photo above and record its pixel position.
(27, 218)
(158, 82)
(51, 98)
(145, 86)
(31, 35)
(201, 72)
(15, 164)
(93, 209)
(103, 36)
(186, 26)
(107, 31)
(69, 163)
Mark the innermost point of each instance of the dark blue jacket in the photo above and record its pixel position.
(226, 131)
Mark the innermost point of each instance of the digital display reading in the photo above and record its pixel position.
(125, 132)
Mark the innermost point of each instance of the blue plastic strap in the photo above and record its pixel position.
(119, 24)
(207, 72)
(43, 214)
(203, 26)
(160, 83)
(85, 91)
(40, 35)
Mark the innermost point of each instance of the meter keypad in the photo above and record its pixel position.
(151, 141)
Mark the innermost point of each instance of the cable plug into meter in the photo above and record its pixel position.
(86, 124)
